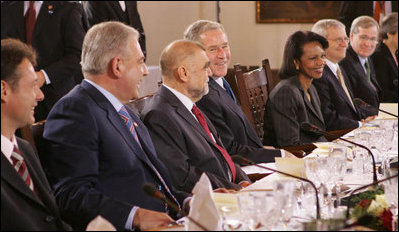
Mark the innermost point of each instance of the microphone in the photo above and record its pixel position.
(309, 127)
(363, 187)
(151, 191)
(243, 161)
(360, 103)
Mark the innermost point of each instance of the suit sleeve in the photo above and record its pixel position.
(284, 108)
(73, 30)
(219, 118)
(74, 167)
(170, 146)
(331, 117)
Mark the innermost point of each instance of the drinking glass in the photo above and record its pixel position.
(231, 218)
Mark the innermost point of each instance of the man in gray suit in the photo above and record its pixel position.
(185, 140)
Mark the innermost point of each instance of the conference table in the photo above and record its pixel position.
(264, 181)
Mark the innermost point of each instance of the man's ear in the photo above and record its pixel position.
(5, 91)
(182, 73)
(115, 67)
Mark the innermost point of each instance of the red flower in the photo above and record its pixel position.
(386, 218)
(365, 203)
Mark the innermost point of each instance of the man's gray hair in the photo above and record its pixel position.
(321, 26)
(194, 31)
(103, 42)
(389, 25)
(363, 22)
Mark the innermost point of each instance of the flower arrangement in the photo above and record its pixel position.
(371, 210)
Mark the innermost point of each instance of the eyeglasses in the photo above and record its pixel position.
(340, 40)
(365, 38)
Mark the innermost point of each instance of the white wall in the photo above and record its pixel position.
(250, 42)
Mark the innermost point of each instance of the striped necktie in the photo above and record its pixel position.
(130, 125)
(20, 166)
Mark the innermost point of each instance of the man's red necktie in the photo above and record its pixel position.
(201, 119)
(30, 21)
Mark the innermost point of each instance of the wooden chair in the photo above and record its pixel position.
(231, 79)
(137, 105)
(271, 82)
(253, 92)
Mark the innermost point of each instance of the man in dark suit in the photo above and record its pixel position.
(358, 64)
(186, 141)
(26, 199)
(101, 153)
(122, 11)
(56, 30)
(333, 87)
(235, 130)
(349, 10)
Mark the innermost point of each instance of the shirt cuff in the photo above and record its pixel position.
(282, 153)
(46, 77)
(360, 124)
(184, 203)
(129, 223)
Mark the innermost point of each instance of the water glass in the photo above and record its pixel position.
(231, 218)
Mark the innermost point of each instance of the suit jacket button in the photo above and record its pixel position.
(49, 218)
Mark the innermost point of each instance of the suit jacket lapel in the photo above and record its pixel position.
(338, 86)
(308, 104)
(115, 120)
(233, 106)
(184, 113)
(9, 175)
(18, 18)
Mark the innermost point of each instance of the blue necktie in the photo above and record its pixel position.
(228, 89)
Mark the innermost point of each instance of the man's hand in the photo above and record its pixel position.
(40, 79)
(269, 147)
(145, 219)
(289, 154)
(368, 119)
(244, 184)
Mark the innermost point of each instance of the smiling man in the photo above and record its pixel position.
(334, 88)
(358, 65)
(220, 105)
(101, 153)
(26, 199)
(185, 139)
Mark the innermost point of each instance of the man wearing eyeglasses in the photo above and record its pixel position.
(358, 64)
(334, 88)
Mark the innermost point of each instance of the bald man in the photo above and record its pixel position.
(185, 139)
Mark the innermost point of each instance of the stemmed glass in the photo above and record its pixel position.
(284, 191)
(338, 156)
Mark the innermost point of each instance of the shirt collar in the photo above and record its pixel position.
(111, 98)
(332, 66)
(219, 80)
(183, 98)
(362, 60)
(7, 146)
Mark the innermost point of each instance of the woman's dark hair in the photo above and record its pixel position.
(294, 50)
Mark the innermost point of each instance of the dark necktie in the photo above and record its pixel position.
(201, 119)
(20, 166)
(367, 66)
(229, 90)
(30, 21)
(130, 125)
